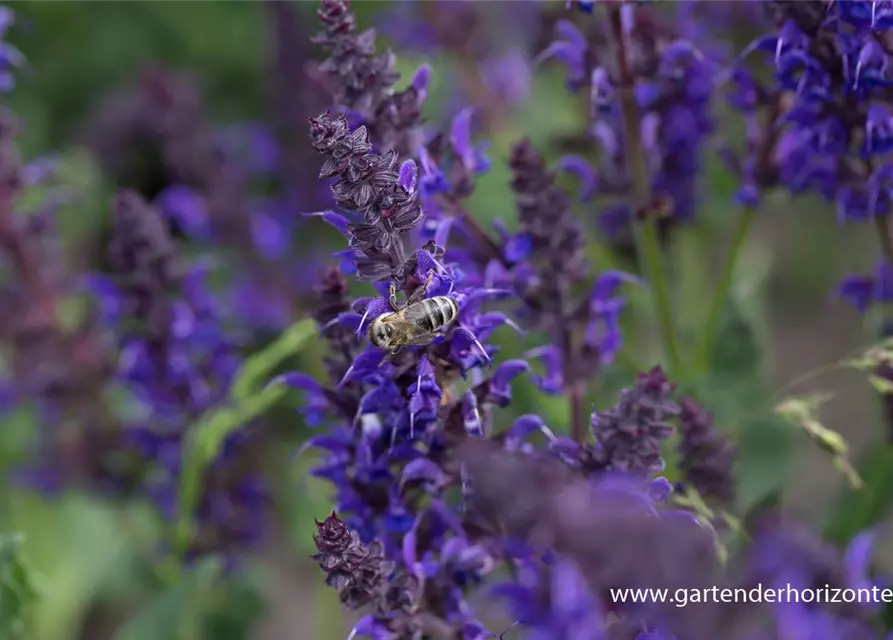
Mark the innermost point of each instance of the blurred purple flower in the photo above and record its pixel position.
(178, 361)
(705, 455)
(10, 57)
(674, 86)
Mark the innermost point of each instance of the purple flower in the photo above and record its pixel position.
(786, 554)
(705, 454)
(629, 435)
(58, 372)
(367, 184)
(545, 263)
(10, 57)
(674, 86)
(604, 533)
(205, 186)
(828, 127)
(361, 81)
(178, 361)
(864, 291)
(555, 601)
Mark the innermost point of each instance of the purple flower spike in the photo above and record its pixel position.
(630, 434)
(705, 455)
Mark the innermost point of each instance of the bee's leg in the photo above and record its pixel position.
(420, 292)
(391, 355)
(392, 298)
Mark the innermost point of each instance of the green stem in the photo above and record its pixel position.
(882, 226)
(651, 254)
(648, 246)
(704, 352)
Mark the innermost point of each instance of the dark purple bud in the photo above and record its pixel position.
(705, 455)
(332, 535)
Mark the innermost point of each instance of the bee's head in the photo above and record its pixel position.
(380, 333)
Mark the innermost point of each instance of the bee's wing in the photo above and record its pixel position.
(419, 316)
(404, 324)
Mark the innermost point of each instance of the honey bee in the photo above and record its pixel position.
(414, 324)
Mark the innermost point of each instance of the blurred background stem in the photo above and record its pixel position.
(704, 351)
(648, 246)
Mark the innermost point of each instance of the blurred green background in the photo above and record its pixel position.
(784, 321)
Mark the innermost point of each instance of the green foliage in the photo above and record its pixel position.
(859, 508)
(17, 590)
(258, 368)
(803, 412)
(234, 609)
(736, 389)
(541, 120)
(856, 510)
(77, 547)
(248, 402)
(177, 612)
(223, 41)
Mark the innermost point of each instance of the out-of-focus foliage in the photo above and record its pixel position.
(18, 590)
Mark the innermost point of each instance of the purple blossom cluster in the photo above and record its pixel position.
(153, 331)
(177, 360)
(458, 510)
(433, 500)
(822, 124)
(672, 81)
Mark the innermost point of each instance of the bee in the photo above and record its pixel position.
(414, 324)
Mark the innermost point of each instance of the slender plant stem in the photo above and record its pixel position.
(647, 238)
(704, 352)
(882, 226)
(578, 413)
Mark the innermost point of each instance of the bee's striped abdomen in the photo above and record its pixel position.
(438, 312)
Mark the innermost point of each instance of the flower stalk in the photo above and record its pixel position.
(704, 351)
(648, 247)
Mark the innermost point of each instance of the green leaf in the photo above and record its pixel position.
(177, 612)
(766, 449)
(260, 366)
(17, 590)
(205, 441)
(238, 606)
(736, 391)
(856, 510)
(76, 546)
(740, 348)
(206, 437)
